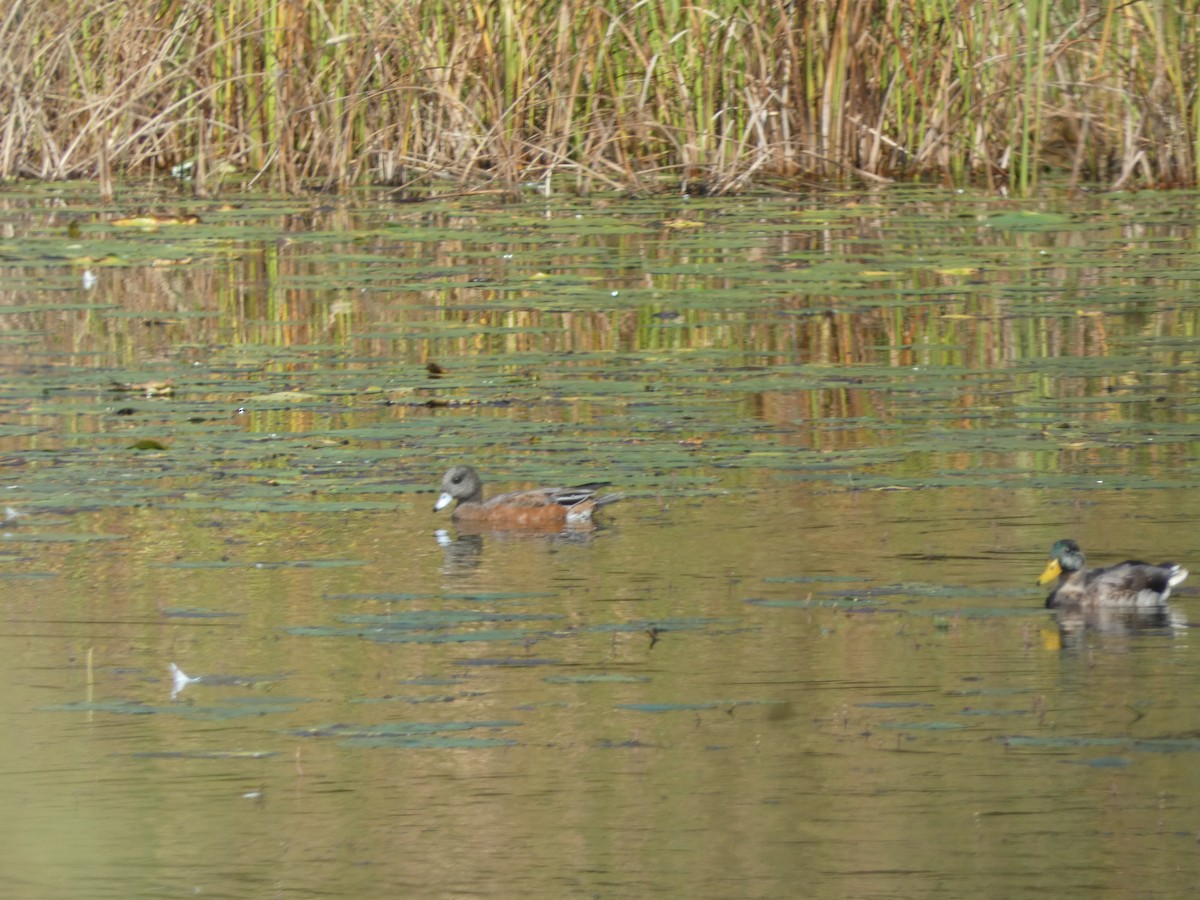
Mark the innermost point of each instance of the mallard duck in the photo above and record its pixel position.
(1130, 585)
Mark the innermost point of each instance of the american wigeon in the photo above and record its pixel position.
(1128, 585)
(541, 508)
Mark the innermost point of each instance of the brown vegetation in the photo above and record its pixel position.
(711, 96)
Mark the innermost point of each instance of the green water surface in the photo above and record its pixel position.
(804, 656)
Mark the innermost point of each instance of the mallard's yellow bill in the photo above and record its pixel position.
(1053, 570)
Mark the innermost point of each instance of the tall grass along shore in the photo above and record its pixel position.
(712, 96)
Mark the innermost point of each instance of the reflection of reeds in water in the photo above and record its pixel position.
(841, 295)
(711, 96)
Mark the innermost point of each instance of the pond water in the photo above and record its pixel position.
(805, 655)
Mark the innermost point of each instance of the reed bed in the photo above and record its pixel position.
(713, 96)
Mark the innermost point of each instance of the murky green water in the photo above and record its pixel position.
(803, 657)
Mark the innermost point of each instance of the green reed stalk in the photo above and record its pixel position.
(1035, 16)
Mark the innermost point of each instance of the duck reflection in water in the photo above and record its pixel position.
(1128, 597)
(464, 550)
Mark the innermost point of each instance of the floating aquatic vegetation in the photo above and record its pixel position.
(1058, 742)
(214, 713)
(727, 706)
(47, 537)
(815, 603)
(204, 754)
(661, 626)
(510, 662)
(414, 735)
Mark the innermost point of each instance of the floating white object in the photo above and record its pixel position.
(180, 680)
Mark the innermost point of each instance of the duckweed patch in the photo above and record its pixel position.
(810, 603)
(596, 678)
(196, 613)
(205, 754)
(728, 706)
(509, 662)
(1161, 745)
(180, 710)
(414, 735)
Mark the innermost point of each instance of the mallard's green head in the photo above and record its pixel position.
(1065, 557)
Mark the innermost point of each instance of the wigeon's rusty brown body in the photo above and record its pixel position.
(539, 508)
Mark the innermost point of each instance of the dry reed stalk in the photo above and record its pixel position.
(713, 95)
